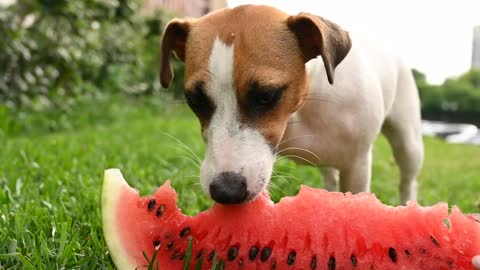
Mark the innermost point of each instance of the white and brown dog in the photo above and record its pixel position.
(262, 82)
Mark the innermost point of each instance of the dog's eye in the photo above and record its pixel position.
(262, 99)
(199, 102)
(265, 98)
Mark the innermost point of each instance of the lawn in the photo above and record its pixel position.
(51, 168)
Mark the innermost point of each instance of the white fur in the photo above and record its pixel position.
(230, 147)
(372, 92)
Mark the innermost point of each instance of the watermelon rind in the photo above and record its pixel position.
(113, 184)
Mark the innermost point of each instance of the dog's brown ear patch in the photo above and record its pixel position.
(317, 36)
(174, 39)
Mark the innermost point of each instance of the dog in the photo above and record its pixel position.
(264, 83)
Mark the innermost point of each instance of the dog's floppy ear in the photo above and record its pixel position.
(174, 39)
(317, 36)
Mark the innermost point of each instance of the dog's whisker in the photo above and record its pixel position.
(182, 149)
(191, 160)
(283, 176)
(276, 172)
(290, 166)
(283, 179)
(195, 159)
(289, 175)
(294, 138)
(184, 145)
(276, 187)
(302, 149)
(317, 99)
(269, 193)
(299, 157)
(312, 96)
(294, 122)
(197, 184)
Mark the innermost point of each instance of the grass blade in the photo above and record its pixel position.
(214, 263)
(150, 265)
(63, 239)
(188, 255)
(199, 264)
(146, 257)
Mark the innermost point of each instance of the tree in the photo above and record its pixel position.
(472, 77)
(457, 99)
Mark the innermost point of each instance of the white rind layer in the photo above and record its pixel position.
(113, 183)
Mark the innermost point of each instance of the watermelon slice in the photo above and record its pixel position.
(314, 230)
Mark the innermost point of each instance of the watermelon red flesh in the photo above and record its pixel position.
(314, 230)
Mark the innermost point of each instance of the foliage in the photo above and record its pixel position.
(456, 99)
(55, 51)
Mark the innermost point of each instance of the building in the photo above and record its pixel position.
(476, 48)
(188, 8)
(217, 4)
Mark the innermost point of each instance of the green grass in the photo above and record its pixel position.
(51, 178)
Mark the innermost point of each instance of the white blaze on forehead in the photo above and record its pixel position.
(221, 89)
(230, 147)
(221, 64)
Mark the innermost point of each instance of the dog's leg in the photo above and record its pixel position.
(403, 129)
(330, 178)
(407, 147)
(356, 178)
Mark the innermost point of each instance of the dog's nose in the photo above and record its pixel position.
(229, 188)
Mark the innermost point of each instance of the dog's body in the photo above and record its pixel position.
(373, 91)
(254, 80)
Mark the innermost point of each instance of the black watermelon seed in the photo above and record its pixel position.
(199, 254)
(160, 210)
(232, 253)
(265, 254)
(252, 254)
(434, 241)
(240, 262)
(151, 205)
(184, 232)
(156, 243)
(424, 251)
(178, 256)
(273, 264)
(407, 252)
(331, 263)
(291, 257)
(170, 245)
(392, 254)
(210, 256)
(313, 264)
(354, 260)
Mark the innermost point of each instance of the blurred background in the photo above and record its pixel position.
(79, 93)
(55, 53)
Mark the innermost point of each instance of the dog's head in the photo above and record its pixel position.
(244, 76)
